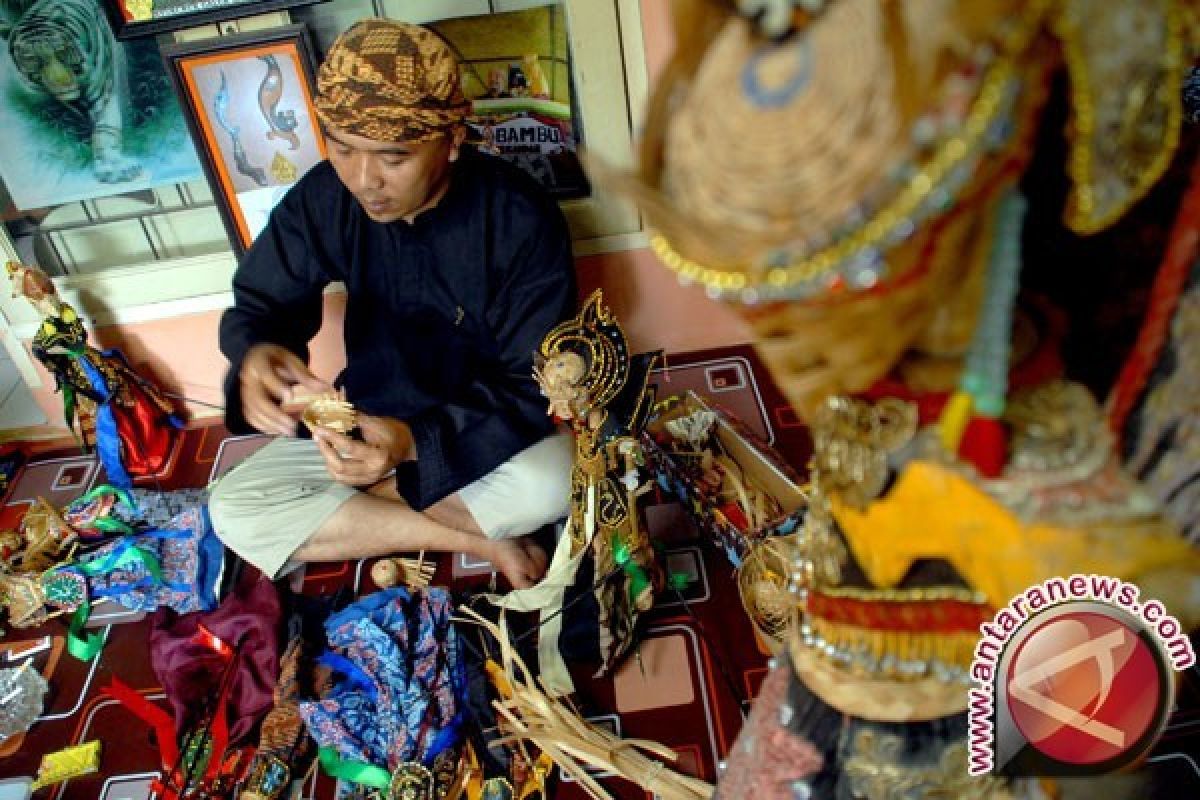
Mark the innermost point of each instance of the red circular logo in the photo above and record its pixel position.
(1085, 688)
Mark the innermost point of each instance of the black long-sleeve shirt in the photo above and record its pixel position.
(442, 319)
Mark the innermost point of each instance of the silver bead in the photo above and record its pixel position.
(801, 790)
(924, 131)
(786, 712)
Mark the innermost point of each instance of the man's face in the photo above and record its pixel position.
(392, 180)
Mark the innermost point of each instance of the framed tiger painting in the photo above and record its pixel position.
(84, 116)
(248, 101)
(133, 18)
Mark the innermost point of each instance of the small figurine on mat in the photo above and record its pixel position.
(124, 417)
(412, 573)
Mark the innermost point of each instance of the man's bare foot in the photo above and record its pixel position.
(520, 560)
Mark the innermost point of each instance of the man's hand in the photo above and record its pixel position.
(268, 377)
(386, 442)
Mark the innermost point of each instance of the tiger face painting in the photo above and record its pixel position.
(66, 50)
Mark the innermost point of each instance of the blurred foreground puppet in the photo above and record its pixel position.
(126, 419)
(846, 174)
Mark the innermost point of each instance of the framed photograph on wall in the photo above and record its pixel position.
(133, 18)
(248, 101)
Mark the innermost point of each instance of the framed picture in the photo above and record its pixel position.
(85, 116)
(132, 18)
(516, 70)
(248, 101)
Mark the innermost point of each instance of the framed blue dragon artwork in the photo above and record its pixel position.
(248, 102)
(83, 115)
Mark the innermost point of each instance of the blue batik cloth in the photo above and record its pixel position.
(187, 553)
(401, 683)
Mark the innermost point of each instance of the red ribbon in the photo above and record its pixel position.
(155, 716)
(163, 725)
(213, 642)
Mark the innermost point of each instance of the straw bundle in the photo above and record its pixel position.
(556, 729)
(329, 411)
(764, 579)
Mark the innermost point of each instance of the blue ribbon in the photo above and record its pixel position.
(108, 441)
(356, 677)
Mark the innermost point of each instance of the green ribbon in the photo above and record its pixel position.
(111, 525)
(621, 552)
(623, 556)
(120, 558)
(84, 647)
(678, 581)
(353, 771)
(123, 495)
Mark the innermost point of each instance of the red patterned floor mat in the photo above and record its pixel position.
(708, 638)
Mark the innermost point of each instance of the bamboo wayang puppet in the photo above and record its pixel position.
(865, 220)
(52, 568)
(126, 419)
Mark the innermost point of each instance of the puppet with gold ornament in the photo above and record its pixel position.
(865, 217)
(126, 419)
(592, 382)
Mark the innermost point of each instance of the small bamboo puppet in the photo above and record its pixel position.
(126, 419)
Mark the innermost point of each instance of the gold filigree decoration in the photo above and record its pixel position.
(853, 440)
(764, 584)
(1125, 60)
(877, 770)
(1054, 426)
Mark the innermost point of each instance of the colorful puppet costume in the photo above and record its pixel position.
(116, 553)
(394, 714)
(124, 417)
(177, 566)
(859, 154)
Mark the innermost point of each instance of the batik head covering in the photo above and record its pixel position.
(390, 81)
